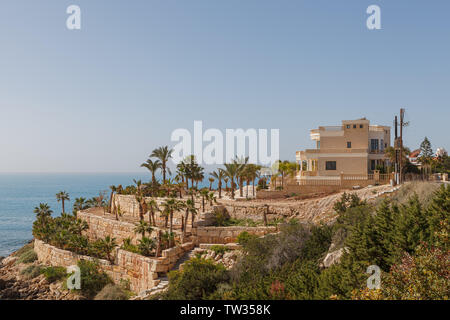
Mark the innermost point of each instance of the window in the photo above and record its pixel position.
(318, 144)
(382, 145)
(374, 144)
(349, 144)
(330, 165)
(348, 126)
(361, 126)
(372, 165)
(354, 126)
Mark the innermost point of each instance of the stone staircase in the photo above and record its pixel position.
(163, 279)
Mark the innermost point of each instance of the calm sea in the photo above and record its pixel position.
(20, 193)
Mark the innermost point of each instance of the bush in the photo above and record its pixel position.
(198, 280)
(27, 256)
(112, 292)
(218, 249)
(53, 274)
(244, 237)
(31, 272)
(92, 279)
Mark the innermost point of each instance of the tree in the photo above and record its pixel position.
(143, 228)
(152, 206)
(113, 190)
(107, 246)
(79, 204)
(426, 154)
(211, 180)
(219, 176)
(153, 167)
(231, 171)
(190, 209)
(62, 196)
(163, 154)
(204, 193)
(146, 246)
(43, 211)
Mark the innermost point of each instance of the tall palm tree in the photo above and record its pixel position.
(43, 211)
(153, 167)
(231, 170)
(62, 196)
(163, 154)
(152, 206)
(190, 209)
(170, 206)
(211, 180)
(219, 176)
(241, 175)
(113, 190)
(204, 194)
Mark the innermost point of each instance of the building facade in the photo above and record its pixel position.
(353, 148)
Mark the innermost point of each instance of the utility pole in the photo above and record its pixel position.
(402, 117)
(396, 150)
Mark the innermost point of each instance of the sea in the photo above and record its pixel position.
(21, 193)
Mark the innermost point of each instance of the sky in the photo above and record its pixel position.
(100, 99)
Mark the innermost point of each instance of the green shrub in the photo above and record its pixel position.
(218, 249)
(112, 292)
(198, 280)
(245, 237)
(27, 256)
(92, 279)
(53, 274)
(31, 272)
(24, 249)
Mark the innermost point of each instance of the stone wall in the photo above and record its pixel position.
(223, 235)
(141, 272)
(130, 207)
(100, 227)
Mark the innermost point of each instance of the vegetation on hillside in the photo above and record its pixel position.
(408, 241)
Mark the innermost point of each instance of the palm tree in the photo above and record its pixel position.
(146, 246)
(204, 193)
(152, 206)
(142, 228)
(163, 154)
(219, 176)
(225, 179)
(43, 211)
(171, 205)
(242, 164)
(113, 190)
(211, 180)
(80, 204)
(153, 167)
(108, 244)
(62, 196)
(231, 171)
(190, 208)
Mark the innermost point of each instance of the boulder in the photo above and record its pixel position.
(333, 257)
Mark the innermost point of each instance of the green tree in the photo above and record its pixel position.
(62, 196)
(163, 154)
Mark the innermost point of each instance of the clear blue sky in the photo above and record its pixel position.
(100, 99)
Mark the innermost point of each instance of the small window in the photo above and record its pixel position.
(354, 126)
(348, 126)
(349, 144)
(330, 165)
(361, 126)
